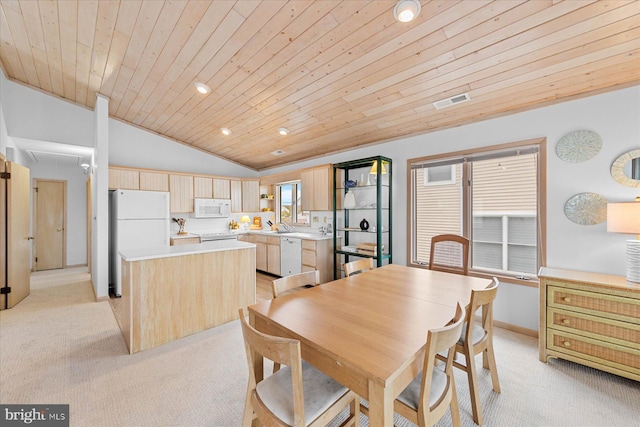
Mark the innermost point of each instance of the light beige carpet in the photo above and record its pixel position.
(58, 346)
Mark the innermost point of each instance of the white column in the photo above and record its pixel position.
(100, 202)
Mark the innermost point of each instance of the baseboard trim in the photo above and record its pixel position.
(75, 265)
(516, 328)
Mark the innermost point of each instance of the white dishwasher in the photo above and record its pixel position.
(290, 256)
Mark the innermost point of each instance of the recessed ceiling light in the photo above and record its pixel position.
(277, 152)
(202, 88)
(225, 131)
(283, 131)
(406, 10)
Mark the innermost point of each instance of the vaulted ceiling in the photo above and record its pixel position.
(337, 74)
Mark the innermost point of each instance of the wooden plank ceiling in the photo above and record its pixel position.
(337, 74)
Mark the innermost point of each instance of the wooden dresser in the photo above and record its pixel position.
(592, 319)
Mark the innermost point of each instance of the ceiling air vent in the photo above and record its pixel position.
(54, 159)
(451, 101)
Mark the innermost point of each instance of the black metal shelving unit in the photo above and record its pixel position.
(372, 201)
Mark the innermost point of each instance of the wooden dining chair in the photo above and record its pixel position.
(476, 338)
(298, 394)
(358, 266)
(300, 280)
(426, 399)
(449, 253)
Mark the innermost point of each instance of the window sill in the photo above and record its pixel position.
(534, 282)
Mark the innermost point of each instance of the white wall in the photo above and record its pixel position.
(132, 146)
(32, 114)
(614, 116)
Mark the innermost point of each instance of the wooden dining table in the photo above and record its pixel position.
(368, 331)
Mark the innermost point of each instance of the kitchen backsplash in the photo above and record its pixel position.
(196, 225)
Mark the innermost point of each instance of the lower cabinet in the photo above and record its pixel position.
(175, 241)
(273, 255)
(267, 252)
(317, 255)
(261, 252)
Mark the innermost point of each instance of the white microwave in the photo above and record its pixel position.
(212, 208)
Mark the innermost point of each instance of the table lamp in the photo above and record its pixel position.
(245, 220)
(625, 218)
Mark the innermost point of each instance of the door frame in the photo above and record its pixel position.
(35, 221)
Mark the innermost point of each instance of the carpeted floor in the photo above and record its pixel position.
(58, 346)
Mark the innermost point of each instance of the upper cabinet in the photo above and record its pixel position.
(250, 195)
(181, 189)
(202, 187)
(236, 195)
(245, 195)
(126, 179)
(317, 189)
(154, 181)
(221, 188)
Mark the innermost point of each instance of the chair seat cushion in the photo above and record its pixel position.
(411, 394)
(476, 335)
(320, 392)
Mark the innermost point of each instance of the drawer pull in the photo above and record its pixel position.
(567, 344)
(566, 299)
(565, 321)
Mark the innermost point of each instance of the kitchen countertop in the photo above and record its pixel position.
(183, 236)
(295, 235)
(172, 251)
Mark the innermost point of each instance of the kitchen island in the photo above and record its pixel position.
(174, 291)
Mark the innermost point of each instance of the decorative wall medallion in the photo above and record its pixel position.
(586, 208)
(578, 146)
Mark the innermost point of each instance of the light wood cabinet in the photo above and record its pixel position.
(273, 255)
(261, 252)
(181, 189)
(175, 241)
(236, 195)
(202, 187)
(125, 179)
(154, 181)
(245, 195)
(221, 188)
(251, 195)
(317, 255)
(317, 189)
(267, 252)
(592, 319)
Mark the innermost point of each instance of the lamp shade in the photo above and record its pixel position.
(623, 217)
(374, 168)
(245, 218)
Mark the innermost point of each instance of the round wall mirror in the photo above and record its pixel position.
(626, 169)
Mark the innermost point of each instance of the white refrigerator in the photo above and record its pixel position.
(139, 220)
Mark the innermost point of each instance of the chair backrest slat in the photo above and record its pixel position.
(287, 283)
(449, 253)
(358, 266)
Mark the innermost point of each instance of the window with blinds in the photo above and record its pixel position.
(492, 198)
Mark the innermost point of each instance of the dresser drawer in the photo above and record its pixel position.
(622, 333)
(612, 356)
(594, 303)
